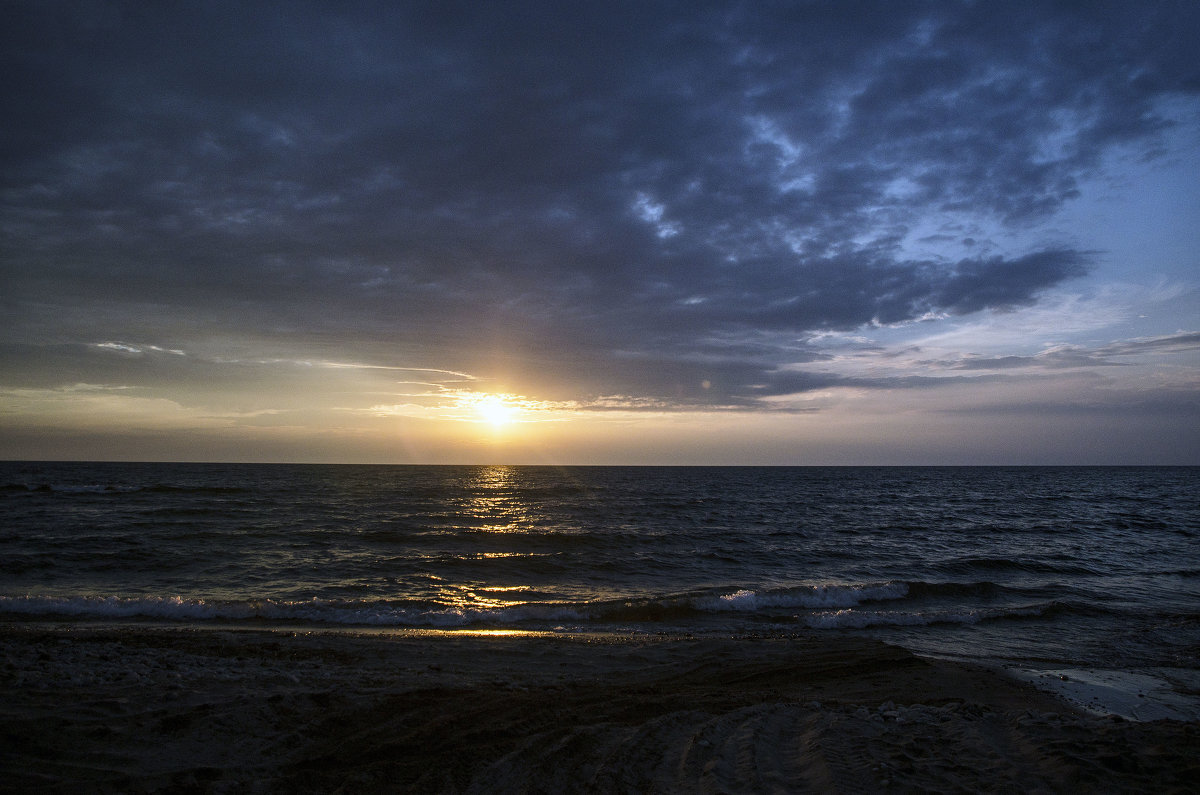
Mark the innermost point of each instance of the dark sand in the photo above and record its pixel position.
(138, 710)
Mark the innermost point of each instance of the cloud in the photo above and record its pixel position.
(1179, 342)
(998, 284)
(1070, 356)
(624, 199)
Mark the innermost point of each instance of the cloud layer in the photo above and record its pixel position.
(664, 202)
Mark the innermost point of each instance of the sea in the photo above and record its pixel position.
(1091, 567)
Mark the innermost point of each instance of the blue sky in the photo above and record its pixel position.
(803, 233)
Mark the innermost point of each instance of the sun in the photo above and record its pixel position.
(501, 410)
(495, 410)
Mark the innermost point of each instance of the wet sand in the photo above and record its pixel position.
(209, 710)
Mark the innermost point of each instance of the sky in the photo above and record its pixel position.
(601, 233)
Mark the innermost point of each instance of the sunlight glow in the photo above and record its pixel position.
(503, 411)
(494, 409)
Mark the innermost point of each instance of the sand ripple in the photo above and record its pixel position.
(214, 711)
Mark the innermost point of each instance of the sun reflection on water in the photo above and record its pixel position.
(494, 503)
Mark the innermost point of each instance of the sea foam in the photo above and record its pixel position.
(814, 596)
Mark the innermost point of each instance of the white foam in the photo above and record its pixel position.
(834, 606)
(859, 619)
(1145, 695)
(813, 597)
(94, 488)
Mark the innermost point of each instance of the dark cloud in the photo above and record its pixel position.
(620, 197)
(997, 283)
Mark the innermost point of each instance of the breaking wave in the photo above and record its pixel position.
(832, 606)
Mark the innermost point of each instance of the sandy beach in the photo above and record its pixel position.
(208, 710)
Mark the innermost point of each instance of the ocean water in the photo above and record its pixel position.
(1044, 567)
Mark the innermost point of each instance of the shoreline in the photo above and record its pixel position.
(110, 709)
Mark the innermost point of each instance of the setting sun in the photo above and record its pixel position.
(495, 410)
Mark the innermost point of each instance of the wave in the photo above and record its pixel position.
(833, 606)
(813, 596)
(862, 619)
(322, 611)
(851, 618)
(410, 613)
(967, 564)
(172, 607)
(981, 589)
(168, 488)
(116, 488)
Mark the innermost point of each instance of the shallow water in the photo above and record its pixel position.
(1086, 567)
